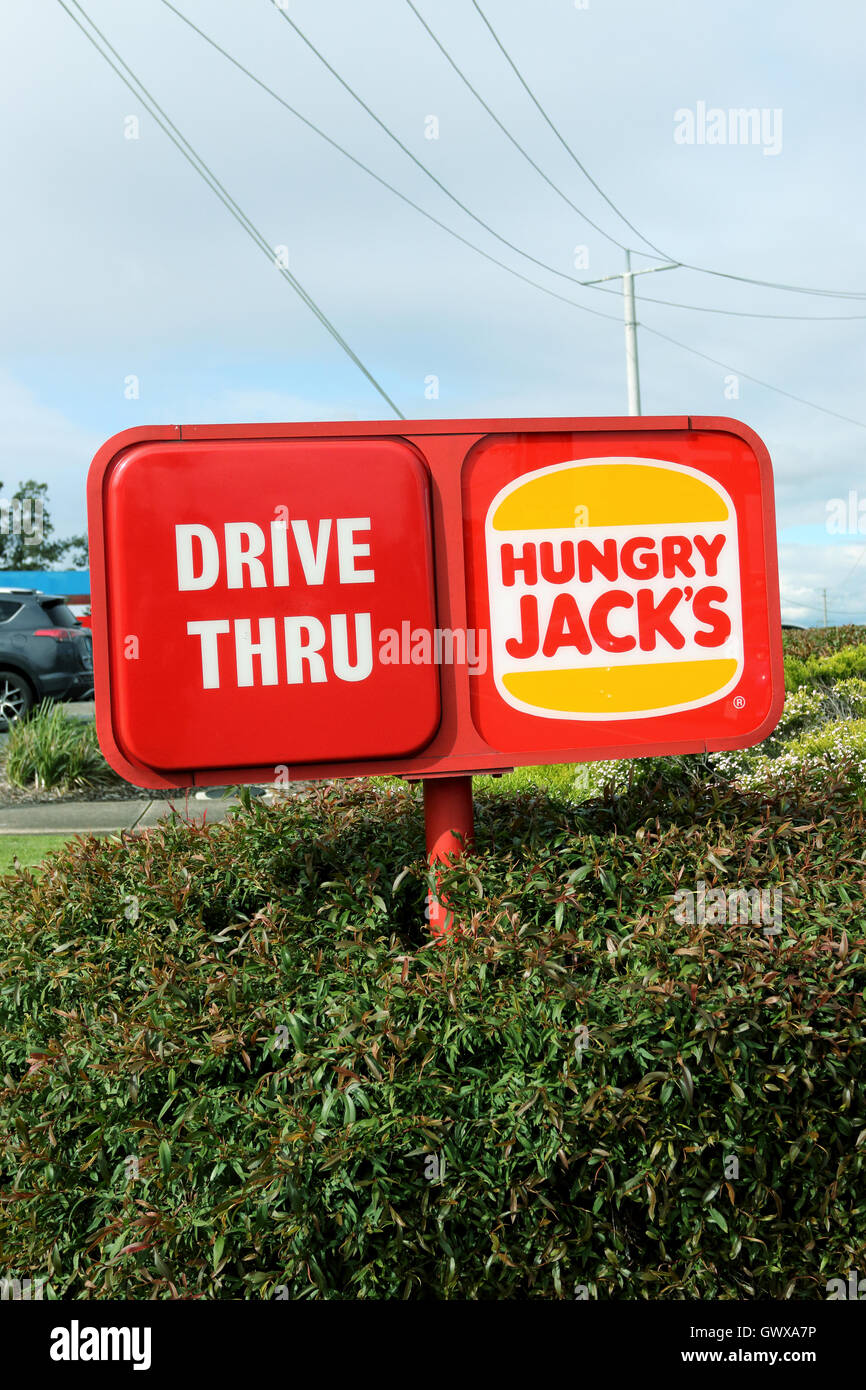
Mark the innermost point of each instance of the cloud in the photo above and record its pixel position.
(806, 571)
(40, 442)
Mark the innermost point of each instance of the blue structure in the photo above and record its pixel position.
(74, 584)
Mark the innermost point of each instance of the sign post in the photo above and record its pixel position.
(431, 599)
(449, 831)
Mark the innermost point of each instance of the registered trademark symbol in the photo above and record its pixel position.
(739, 702)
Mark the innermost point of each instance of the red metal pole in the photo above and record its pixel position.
(448, 823)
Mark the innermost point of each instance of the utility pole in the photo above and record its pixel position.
(631, 365)
(631, 361)
(824, 592)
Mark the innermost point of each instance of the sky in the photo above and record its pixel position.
(130, 296)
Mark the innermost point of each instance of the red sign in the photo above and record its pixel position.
(430, 597)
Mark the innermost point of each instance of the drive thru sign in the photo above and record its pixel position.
(430, 598)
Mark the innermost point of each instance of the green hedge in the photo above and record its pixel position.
(144, 982)
(825, 670)
(822, 641)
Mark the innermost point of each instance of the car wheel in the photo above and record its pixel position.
(16, 698)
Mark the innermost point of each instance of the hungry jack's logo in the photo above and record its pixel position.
(614, 590)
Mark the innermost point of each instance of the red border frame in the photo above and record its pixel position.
(456, 747)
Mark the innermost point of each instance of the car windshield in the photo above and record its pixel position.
(59, 614)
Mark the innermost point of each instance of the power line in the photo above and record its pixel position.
(451, 232)
(757, 380)
(507, 133)
(776, 285)
(738, 313)
(813, 608)
(561, 138)
(204, 172)
(311, 125)
(673, 304)
(512, 246)
(704, 270)
(844, 581)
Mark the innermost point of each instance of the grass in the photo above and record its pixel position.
(555, 778)
(29, 850)
(54, 749)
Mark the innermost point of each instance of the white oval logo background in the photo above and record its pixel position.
(598, 511)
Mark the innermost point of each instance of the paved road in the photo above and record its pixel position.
(52, 818)
(106, 816)
(103, 817)
(82, 709)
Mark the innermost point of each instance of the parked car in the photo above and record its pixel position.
(45, 653)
